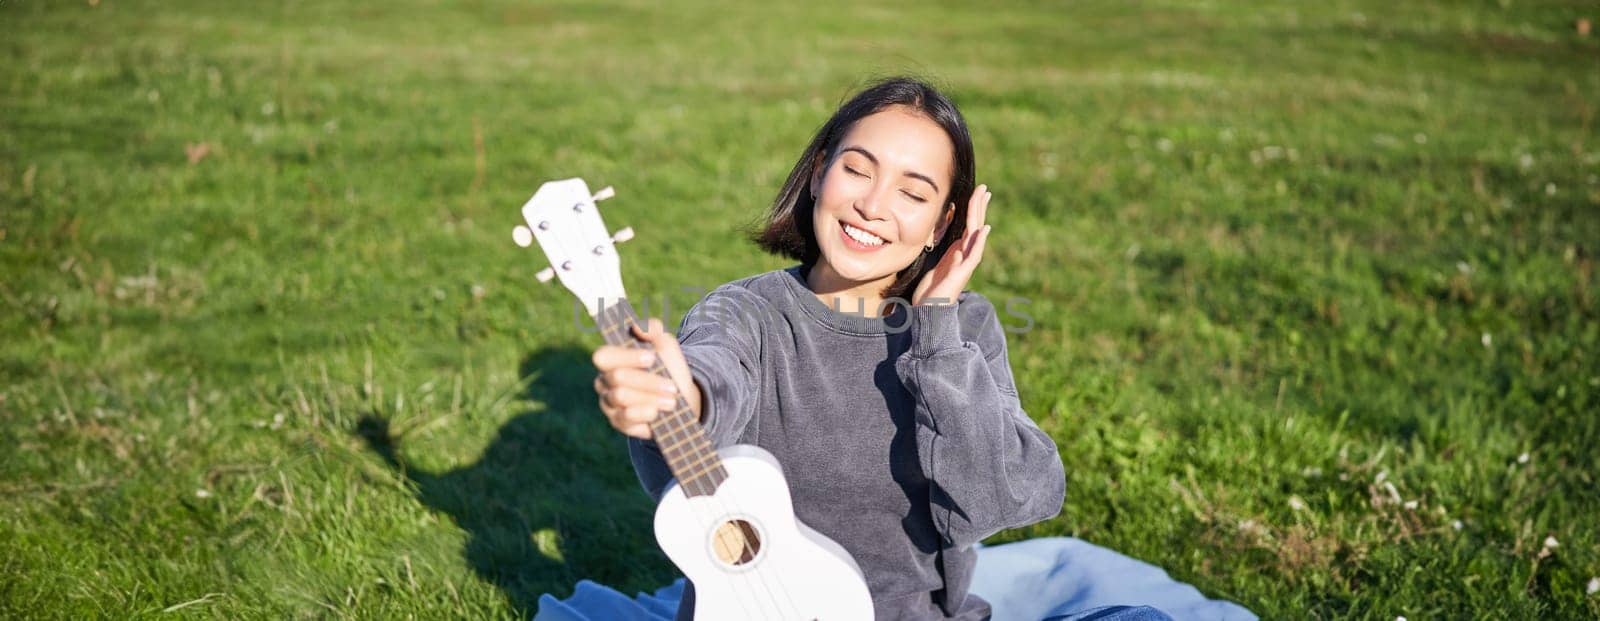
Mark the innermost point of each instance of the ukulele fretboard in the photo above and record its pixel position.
(689, 454)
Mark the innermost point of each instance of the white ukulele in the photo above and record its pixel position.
(727, 521)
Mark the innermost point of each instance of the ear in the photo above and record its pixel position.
(816, 174)
(944, 224)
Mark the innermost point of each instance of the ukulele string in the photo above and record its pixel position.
(743, 576)
(762, 576)
(765, 581)
(659, 369)
(720, 506)
(621, 331)
(712, 524)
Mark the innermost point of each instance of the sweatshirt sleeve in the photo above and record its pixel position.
(989, 465)
(721, 341)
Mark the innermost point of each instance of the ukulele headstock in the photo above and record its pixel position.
(563, 218)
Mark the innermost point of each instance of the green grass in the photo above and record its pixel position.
(1277, 258)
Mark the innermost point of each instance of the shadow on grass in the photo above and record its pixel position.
(553, 498)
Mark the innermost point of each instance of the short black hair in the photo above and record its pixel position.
(787, 229)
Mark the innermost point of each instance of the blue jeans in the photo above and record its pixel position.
(1067, 579)
(1115, 613)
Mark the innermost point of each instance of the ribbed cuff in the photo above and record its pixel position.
(934, 329)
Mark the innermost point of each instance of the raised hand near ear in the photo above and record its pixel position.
(948, 279)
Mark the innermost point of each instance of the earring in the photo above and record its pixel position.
(928, 248)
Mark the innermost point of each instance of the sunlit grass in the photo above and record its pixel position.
(1312, 288)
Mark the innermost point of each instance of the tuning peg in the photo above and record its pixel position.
(604, 193)
(546, 274)
(522, 235)
(622, 235)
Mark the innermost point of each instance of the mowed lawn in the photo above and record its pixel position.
(1305, 292)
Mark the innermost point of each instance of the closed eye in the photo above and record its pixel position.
(914, 197)
(854, 171)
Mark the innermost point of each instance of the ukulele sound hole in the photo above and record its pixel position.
(735, 542)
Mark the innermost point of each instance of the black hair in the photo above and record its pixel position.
(787, 229)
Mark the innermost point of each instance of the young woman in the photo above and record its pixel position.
(881, 385)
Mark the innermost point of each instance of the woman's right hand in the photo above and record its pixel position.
(630, 395)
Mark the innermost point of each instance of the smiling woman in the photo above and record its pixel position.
(882, 209)
(872, 200)
(900, 434)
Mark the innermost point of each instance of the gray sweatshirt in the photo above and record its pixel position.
(904, 444)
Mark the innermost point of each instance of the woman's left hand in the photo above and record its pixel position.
(948, 279)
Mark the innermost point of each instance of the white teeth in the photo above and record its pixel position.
(862, 236)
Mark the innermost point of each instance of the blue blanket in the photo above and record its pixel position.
(1055, 578)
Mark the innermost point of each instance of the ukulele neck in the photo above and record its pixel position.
(678, 434)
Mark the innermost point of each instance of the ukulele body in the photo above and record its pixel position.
(747, 554)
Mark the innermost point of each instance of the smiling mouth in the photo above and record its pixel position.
(862, 238)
